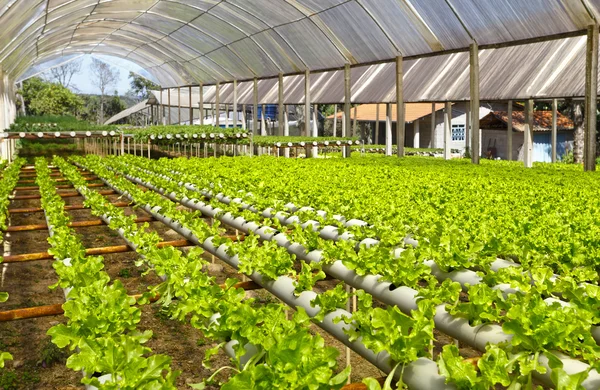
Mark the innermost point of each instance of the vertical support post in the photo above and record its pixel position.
(355, 122)
(417, 133)
(235, 105)
(591, 98)
(190, 106)
(307, 103)
(400, 123)
(122, 144)
(474, 81)
(217, 117)
(201, 104)
(280, 108)
(263, 122)
(244, 121)
(162, 107)
(149, 144)
(226, 116)
(447, 130)
(433, 126)
(347, 103)
(528, 135)
(467, 127)
(169, 105)
(388, 129)
(554, 135)
(286, 130)
(509, 145)
(335, 114)
(377, 124)
(152, 114)
(315, 128)
(255, 109)
(178, 105)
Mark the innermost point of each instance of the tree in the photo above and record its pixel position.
(91, 110)
(54, 99)
(141, 86)
(105, 76)
(64, 73)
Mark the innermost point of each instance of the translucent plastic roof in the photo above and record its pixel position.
(190, 41)
(551, 69)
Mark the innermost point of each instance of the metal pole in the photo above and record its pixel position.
(474, 81)
(178, 105)
(433, 126)
(591, 98)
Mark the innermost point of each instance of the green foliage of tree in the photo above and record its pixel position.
(46, 98)
(54, 99)
(91, 110)
(141, 86)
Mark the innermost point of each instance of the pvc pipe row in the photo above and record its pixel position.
(420, 374)
(403, 297)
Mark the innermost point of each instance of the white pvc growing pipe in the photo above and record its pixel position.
(403, 297)
(420, 374)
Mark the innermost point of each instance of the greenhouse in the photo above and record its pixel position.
(299, 194)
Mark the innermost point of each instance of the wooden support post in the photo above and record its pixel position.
(307, 103)
(467, 127)
(169, 105)
(280, 108)
(235, 105)
(191, 107)
(377, 124)
(244, 120)
(315, 129)
(591, 99)
(201, 104)
(335, 114)
(255, 111)
(433, 126)
(417, 133)
(447, 130)
(355, 122)
(217, 116)
(388, 129)
(347, 105)
(509, 144)
(474, 87)
(263, 122)
(528, 135)
(400, 123)
(178, 105)
(286, 130)
(554, 135)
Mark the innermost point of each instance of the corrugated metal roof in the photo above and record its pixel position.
(128, 112)
(187, 42)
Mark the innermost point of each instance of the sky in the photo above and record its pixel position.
(82, 81)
